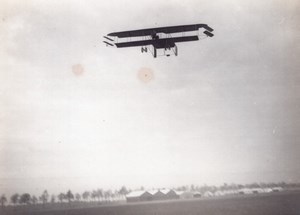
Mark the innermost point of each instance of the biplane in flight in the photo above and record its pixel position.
(161, 38)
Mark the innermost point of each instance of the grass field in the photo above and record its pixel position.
(285, 203)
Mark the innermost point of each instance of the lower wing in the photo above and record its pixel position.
(157, 41)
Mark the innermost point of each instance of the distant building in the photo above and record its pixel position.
(277, 189)
(230, 192)
(257, 190)
(219, 193)
(137, 196)
(178, 193)
(171, 194)
(208, 194)
(165, 191)
(268, 190)
(245, 191)
(185, 194)
(161, 194)
(197, 195)
(158, 195)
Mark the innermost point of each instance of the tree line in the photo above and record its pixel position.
(69, 196)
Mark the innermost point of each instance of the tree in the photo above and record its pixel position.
(61, 197)
(3, 200)
(44, 197)
(25, 198)
(53, 198)
(282, 184)
(34, 199)
(94, 194)
(107, 194)
(123, 191)
(240, 186)
(77, 196)
(182, 188)
(192, 187)
(86, 195)
(99, 193)
(69, 195)
(14, 198)
(233, 186)
(224, 187)
(254, 185)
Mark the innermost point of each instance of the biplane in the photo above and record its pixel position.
(161, 38)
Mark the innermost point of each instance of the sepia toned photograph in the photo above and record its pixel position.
(137, 107)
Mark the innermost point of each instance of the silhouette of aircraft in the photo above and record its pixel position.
(162, 38)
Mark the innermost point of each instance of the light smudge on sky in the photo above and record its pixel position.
(145, 74)
(225, 110)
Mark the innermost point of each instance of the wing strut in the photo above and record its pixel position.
(108, 44)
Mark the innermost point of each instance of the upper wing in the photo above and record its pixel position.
(166, 30)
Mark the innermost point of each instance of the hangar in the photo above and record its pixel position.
(140, 195)
(171, 194)
(157, 195)
(185, 194)
(160, 194)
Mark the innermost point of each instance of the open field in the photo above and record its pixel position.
(285, 203)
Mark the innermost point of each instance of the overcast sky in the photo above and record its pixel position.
(75, 115)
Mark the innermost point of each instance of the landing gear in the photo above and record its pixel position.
(170, 50)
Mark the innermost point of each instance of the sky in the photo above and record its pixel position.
(75, 114)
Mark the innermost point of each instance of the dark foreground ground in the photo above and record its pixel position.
(285, 203)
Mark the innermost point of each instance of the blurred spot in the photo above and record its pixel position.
(145, 75)
(77, 69)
